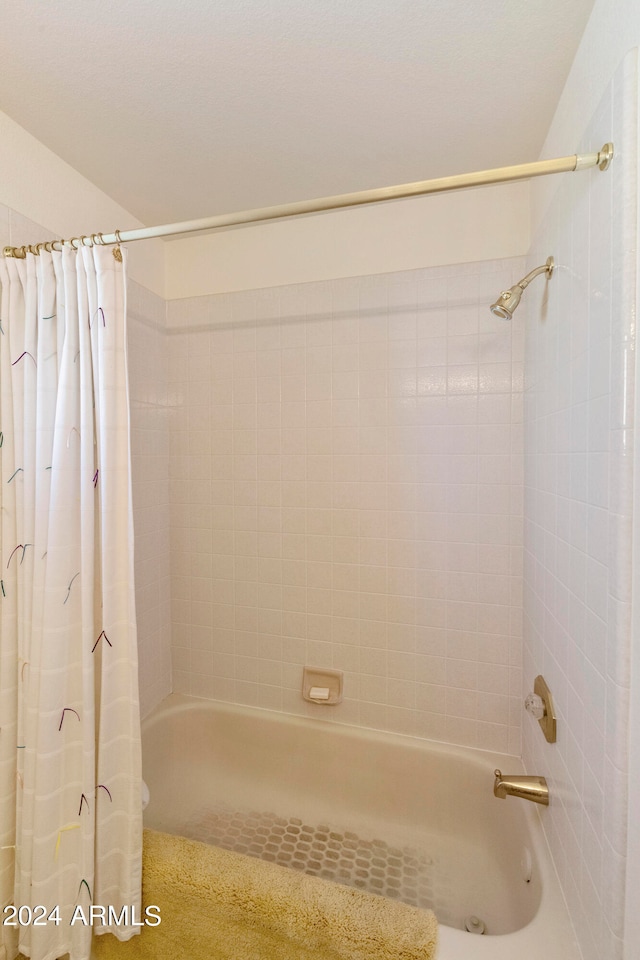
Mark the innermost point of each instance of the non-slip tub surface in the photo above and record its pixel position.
(401, 873)
(220, 905)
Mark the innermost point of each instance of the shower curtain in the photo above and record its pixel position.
(70, 811)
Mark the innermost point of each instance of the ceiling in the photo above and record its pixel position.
(182, 109)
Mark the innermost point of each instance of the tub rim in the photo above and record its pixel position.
(184, 703)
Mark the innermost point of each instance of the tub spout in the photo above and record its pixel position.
(529, 788)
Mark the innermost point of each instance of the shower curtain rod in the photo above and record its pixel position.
(523, 171)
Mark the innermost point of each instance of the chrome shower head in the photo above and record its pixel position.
(509, 299)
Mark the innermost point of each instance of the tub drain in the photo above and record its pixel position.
(474, 925)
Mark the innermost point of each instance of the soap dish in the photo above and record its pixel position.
(320, 685)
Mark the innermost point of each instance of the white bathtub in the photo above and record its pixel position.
(399, 808)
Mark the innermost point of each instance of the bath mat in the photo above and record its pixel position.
(219, 905)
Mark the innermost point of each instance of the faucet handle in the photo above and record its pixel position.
(540, 705)
(535, 706)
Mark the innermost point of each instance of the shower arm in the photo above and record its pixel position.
(545, 268)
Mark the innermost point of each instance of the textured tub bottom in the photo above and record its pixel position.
(407, 874)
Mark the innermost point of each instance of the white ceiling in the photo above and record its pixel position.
(181, 109)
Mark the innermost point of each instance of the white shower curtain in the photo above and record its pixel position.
(70, 812)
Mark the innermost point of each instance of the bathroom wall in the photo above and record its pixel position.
(49, 193)
(486, 223)
(346, 491)
(150, 449)
(612, 30)
(150, 468)
(579, 447)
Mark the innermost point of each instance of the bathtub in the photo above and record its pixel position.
(399, 816)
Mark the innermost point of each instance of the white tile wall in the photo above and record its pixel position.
(150, 469)
(578, 476)
(346, 483)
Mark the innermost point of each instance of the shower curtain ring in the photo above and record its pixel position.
(117, 253)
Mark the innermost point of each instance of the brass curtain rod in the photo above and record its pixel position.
(523, 171)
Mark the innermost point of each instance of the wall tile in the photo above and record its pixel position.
(577, 521)
(349, 476)
(150, 432)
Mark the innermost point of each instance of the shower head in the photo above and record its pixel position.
(507, 302)
(509, 299)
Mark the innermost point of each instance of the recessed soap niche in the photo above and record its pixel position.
(321, 685)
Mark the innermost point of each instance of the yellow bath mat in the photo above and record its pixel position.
(218, 905)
